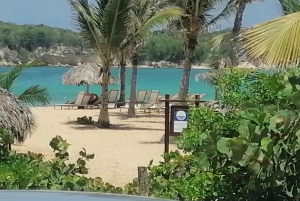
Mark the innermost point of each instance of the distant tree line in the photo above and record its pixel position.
(29, 37)
(163, 45)
(168, 46)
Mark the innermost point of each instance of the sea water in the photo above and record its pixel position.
(166, 80)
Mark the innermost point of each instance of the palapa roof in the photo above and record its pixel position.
(14, 116)
(85, 74)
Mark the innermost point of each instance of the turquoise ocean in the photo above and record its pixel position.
(165, 80)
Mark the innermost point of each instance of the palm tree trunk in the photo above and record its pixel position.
(123, 82)
(103, 121)
(235, 30)
(185, 80)
(132, 99)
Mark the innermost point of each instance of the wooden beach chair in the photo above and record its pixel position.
(113, 98)
(77, 102)
(140, 99)
(161, 105)
(157, 105)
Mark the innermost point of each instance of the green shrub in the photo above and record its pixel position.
(250, 153)
(31, 171)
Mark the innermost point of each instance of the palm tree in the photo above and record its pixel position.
(276, 42)
(197, 17)
(34, 95)
(146, 16)
(230, 40)
(122, 65)
(104, 24)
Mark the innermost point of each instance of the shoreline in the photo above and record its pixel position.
(140, 66)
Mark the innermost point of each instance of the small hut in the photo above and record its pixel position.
(86, 74)
(15, 117)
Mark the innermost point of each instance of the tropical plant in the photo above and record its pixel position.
(104, 24)
(34, 95)
(146, 16)
(196, 19)
(276, 42)
(249, 153)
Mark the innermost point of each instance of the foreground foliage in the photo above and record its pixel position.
(249, 153)
(32, 171)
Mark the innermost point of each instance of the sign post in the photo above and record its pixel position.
(179, 118)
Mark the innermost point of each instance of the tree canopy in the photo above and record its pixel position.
(29, 37)
(162, 45)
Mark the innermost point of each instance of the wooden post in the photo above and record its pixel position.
(143, 181)
(197, 100)
(167, 123)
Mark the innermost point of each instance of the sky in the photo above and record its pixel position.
(57, 13)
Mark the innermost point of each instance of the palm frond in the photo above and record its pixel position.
(219, 40)
(226, 13)
(289, 6)
(35, 95)
(7, 79)
(277, 41)
(115, 22)
(84, 17)
(160, 18)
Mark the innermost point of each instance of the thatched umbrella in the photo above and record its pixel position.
(86, 74)
(16, 118)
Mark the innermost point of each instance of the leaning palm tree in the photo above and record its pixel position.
(104, 24)
(276, 42)
(146, 16)
(196, 19)
(34, 95)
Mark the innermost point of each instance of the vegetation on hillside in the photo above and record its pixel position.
(167, 46)
(30, 37)
(161, 46)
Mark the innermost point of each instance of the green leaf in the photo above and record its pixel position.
(255, 167)
(90, 156)
(222, 146)
(267, 145)
(296, 98)
(247, 105)
(201, 160)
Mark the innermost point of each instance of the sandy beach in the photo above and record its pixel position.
(118, 151)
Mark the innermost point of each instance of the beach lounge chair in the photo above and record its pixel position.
(140, 99)
(161, 105)
(112, 98)
(157, 105)
(82, 100)
(153, 96)
(78, 101)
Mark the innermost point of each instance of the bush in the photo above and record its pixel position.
(31, 171)
(250, 153)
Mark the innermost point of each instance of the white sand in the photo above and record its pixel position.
(118, 151)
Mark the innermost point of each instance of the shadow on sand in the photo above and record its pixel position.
(75, 125)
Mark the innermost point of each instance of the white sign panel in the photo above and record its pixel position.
(180, 120)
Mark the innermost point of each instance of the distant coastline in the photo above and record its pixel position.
(129, 66)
